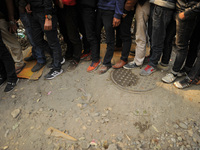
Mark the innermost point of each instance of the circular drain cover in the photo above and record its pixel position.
(131, 80)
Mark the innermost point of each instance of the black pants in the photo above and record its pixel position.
(125, 35)
(69, 15)
(89, 16)
(105, 18)
(52, 45)
(7, 65)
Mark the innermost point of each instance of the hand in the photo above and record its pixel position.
(124, 15)
(28, 8)
(181, 15)
(48, 25)
(116, 22)
(60, 4)
(12, 27)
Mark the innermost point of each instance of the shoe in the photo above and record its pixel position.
(104, 69)
(51, 64)
(162, 66)
(169, 78)
(120, 64)
(86, 56)
(37, 67)
(10, 86)
(52, 74)
(94, 66)
(183, 83)
(130, 65)
(147, 71)
(72, 66)
(30, 58)
(2, 81)
(19, 69)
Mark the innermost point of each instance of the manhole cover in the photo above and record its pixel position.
(131, 80)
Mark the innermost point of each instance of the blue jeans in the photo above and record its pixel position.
(161, 18)
(36, 51)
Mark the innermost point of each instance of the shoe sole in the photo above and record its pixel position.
(167, 81)
(14, 87)
(54, 76)
(95, 68)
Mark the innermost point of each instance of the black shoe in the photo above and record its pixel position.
(2, 81)
(72, 66)
(52, 74)
(51, 64)
(37, 67)
(10, 86)
(183, 83)
(30, 58)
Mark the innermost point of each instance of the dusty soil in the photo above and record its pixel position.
(89, 106)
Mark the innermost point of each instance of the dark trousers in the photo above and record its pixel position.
(118, 38)
(105, 18)
(7, 65)
(52, 45)
(161, 17)
(89, 16)
(184, 30)
(125, 35)
(70, 18)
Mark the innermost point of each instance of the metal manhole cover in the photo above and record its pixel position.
(131, 80)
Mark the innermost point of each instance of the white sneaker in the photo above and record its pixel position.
(53, 73)
(169, 78)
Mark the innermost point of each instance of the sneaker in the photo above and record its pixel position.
(130, 65)
(52, 74)
(37, 67)
(72, 66)
(2, 81)
(85, 56)
(30, 58)
(94, 66)
(147, 71)
(51, 64)
(162, 66)
(169, 78)
(10, 86)
(183, 83)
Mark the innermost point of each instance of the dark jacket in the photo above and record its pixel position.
(41, 5)
(189, 7)
(116, 5)
(88, 3)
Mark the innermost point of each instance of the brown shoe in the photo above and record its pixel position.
(120, 64)
(104, 69)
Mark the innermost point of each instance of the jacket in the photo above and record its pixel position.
(129, 4)
(189, 7)
(116, 5)
(164, 3)
(42, 5)
(88, 3)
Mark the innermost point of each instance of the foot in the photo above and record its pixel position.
(30, 58)
(86, 56)
(37, 67)
(94, 66)
(120, 64)
(53, 73)
(162, 66)
(51, 64)
(72, 66)
(104, 69)
(147, 71)
(130, 65)
(10, 86)
(183, 83)
(169, 78)
(19, 69)
(2, 81)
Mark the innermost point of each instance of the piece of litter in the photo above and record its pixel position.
(49, 93)
(155, 128)
(93, 143)
(57, 133)
(38, 100)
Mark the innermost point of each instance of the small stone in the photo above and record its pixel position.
(190, 132)
(80, 105)
(175, 126)
(107, 120)
(194, 139)
(103, 115)
(81, 138)
(13, 96)
(188, 146)
(112, 147)
(98, 131)
(119, 138)
(96, 114)
(41, 109)
(102, 121)
(89, 123)
(183, 125)
(15, 113)
(84, 127)
(180, 139)
(5, 147)
(32, 127)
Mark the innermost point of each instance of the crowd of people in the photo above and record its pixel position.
(157, 21)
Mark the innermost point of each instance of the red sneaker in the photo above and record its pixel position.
(94, 66)
(86, 56)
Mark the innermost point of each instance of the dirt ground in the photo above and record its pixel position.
(90, 107)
